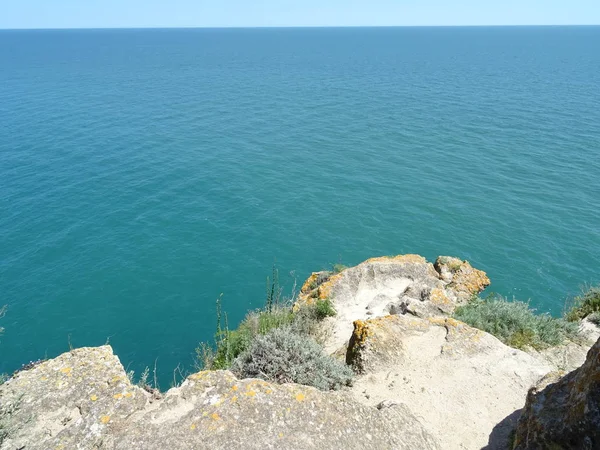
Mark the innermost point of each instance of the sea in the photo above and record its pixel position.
(146, 173)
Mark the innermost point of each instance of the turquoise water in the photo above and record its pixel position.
(144, 172)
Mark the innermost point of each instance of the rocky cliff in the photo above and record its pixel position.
(424, 381)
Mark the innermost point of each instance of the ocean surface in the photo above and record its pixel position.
(145, 172)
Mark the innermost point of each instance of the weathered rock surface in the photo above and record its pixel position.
(426, 381)
(564, 413)
(571, 355)
(83, 400)
(461, 381)
(404, 284)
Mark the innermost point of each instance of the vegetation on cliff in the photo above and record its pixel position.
(586, 305)
(286, 356)
(515, 323)
(277, 344)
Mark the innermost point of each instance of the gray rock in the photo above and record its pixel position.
(406, 284)
(83, 400)
(564, 413)
(461, 381)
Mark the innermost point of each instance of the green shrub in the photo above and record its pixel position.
(584, 305)
(276, 314)
(230, 343)
(284, 356)
(323, 309)
(515, 324)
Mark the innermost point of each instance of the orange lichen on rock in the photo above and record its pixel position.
(409, 259)
(310, 283)
(439, 297)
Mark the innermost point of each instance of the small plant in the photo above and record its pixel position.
(149, 386)
(584, 305)
(337, 268)
(323, 309)
(273, 290)
(284, 356)
(230, 343)
(454, 266)
(515, 324)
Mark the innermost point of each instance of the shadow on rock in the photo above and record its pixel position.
(501, 435)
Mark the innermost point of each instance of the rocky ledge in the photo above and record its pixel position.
(424, 381)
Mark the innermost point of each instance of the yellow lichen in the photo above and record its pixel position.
(310, 283)
(439, 297)
(300, 397)
(128, 394)
(66, 370)
(234, 399)
(193, 426)
(234, 387)
(199, 375)
(94, 398)
(105, 419)
(118, 396)
(250, 393)
(361, 332)
(410, 258)
(215, 416)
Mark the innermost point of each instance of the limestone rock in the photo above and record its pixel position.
(463, 280)
(404, 284)
(461, 381)
(564, 413)
(83, 400)
(78, 396)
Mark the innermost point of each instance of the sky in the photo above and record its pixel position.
(283, 13)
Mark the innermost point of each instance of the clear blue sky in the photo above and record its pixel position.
(235, 13)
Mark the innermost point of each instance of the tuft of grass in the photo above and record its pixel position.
(229, 344)
(515, 323)
(283, 356)
(584, 305)
(323, 308)
(337, 268)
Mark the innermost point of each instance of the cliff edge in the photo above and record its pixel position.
(423, 381)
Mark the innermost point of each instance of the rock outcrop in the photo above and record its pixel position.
(424, 381)
(83, 400)
(392, 285)
(564, 413)
(453, 376)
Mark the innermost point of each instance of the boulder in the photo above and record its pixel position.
(84, 400)
(462, 382)
(403, 284)
(564, 413)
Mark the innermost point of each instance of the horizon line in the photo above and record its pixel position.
(295, 27)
